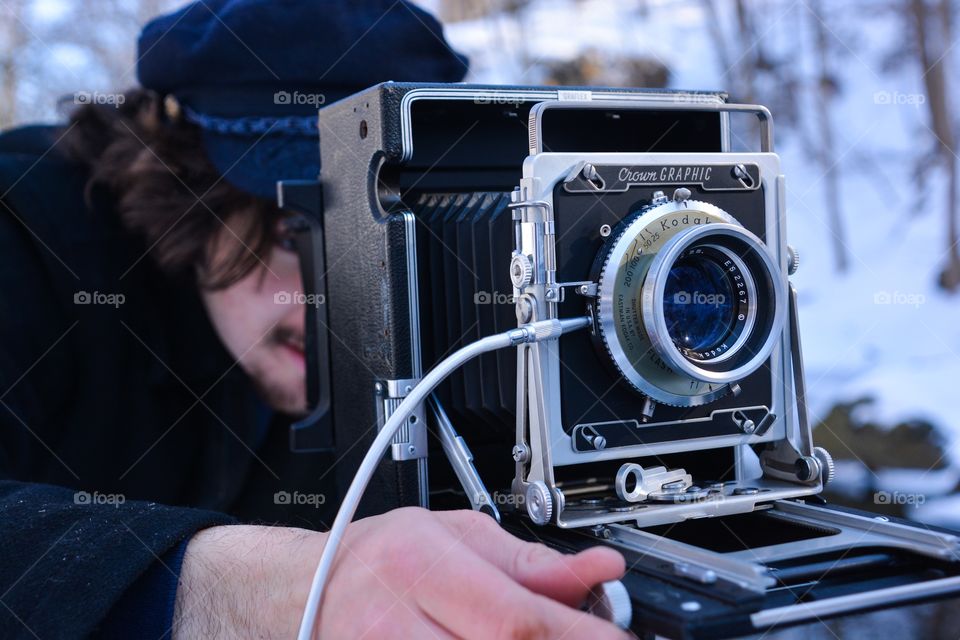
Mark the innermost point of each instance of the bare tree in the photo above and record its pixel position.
(933, 26)
(739, 55)
(104, 30)
(827, 150)
(715, 29)
(107, 30)
(13, 37)
(747, 67)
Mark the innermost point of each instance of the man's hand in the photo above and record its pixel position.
(410, 573)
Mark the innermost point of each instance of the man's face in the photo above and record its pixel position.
(260, 320)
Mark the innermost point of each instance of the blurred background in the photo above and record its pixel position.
(863, 96)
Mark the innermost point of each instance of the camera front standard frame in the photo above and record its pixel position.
(544, 443)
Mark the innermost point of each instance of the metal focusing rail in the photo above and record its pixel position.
(891, 596)
(855, 531)
(749, 570)
(688, 561)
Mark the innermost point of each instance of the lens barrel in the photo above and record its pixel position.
(689, 302)
(731, 323)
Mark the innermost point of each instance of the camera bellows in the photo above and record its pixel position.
(465, 241)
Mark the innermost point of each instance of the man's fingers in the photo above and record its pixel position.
(473, 598)
(573, 576)
(563, 577)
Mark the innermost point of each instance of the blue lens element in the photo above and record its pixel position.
(698, 303)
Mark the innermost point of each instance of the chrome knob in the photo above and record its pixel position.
(539, 503)
(827, 469)
(521, 270)
(793, 260)
(611, 602)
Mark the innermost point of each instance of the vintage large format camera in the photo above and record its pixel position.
(673, 427)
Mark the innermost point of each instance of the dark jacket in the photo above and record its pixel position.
(124, 425)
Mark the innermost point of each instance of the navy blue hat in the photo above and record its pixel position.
(252, 73)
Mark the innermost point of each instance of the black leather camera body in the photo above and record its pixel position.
(672, 427)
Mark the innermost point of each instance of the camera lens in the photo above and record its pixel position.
(710, 303)
(698, 303)
(689, 302)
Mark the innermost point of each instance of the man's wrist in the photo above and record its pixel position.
(241, 580)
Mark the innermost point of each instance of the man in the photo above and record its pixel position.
(148, 373)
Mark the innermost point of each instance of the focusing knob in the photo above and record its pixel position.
(827, 469)
(521, 270)
(793, 260)
(539, 503)
(611, 602)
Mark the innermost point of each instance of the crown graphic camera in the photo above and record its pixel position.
(670, 424)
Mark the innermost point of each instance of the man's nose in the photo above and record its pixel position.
(295, 318)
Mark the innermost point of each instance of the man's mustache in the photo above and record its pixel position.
(289, 336)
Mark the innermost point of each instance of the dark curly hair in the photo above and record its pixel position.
(151, 164)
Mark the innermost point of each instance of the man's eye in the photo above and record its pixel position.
(287, 243)
(285, 235)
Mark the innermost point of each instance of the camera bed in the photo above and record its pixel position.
(675, 595)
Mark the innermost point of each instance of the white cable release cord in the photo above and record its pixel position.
(533, 332)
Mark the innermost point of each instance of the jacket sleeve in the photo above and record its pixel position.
(68, 556)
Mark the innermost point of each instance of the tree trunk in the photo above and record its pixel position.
(715, 29)
(12, 44)
(748, 65)
(933, 43)
(827, 153)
